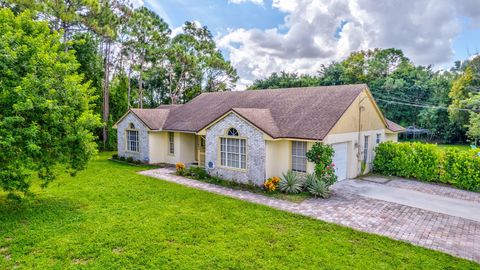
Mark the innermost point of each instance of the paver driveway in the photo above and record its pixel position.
(451, 234)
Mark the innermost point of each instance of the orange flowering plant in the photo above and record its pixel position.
(180, 167)
(271, 183)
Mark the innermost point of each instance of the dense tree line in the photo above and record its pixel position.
(129, 56)
(70, 69)
(445, 102)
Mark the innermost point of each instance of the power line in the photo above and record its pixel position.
(392, 98)
(426, 106)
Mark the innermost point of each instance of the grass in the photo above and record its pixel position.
(461, 147)
(109, 217)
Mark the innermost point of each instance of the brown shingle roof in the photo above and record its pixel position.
(306, 113)
(392, 126)
(153, 118)
(261, 118)
(168, 106)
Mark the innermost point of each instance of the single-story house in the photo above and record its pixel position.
(249, 136)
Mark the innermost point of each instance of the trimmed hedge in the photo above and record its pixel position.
(427, 162)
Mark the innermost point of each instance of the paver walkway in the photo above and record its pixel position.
(451, 234)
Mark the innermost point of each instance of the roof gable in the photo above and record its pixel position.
(302, 113)
(154, 119)
(306, 113)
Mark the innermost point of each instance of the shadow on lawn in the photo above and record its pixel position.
(36, 210)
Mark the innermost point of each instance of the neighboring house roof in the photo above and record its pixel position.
(303, 113)
(392, 126)
(153, 118)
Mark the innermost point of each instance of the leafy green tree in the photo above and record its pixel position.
(118, 105)
(467, 95)
(146, 38)
(461, 90)
(46, 115)
(105, 23)
(406, 93)
(85, 47)
(285, 80)
(65, 15)
(195, 65)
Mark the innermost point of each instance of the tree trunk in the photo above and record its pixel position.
(140, 83)
(106, 93)
(129, 89)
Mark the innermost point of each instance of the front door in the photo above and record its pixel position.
(200, 150)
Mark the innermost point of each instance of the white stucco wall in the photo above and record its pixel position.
(184, 147)
(255, 147)
(279, 157)
(351, 138)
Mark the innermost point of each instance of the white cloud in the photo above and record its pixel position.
(157, 7)
(136, 3)
(256, 2)
(320, 31)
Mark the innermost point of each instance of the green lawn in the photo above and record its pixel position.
(109, 217)
(462, 147)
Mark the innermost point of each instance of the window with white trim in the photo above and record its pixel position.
(299, 158)
(132, 139)
(365, 149)
(379, 138)
(171, 143)
(233, 151)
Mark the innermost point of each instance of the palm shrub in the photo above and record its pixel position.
(291, 183)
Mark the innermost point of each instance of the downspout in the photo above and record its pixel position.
(360, 109)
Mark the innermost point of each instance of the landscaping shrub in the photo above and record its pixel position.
(197, 172)
(318, 183)
(129, 159)
(180, 168)
(310, 178)
(291, 183)
(318, 189)
(115, 156)
(271, 184)
(461, 169)
(411, 160)
(427, 162)
(322, 155)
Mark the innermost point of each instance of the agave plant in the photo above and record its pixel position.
(310, 178)
(290, 183)
(318, 189)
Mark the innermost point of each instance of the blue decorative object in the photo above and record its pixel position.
(210, 165)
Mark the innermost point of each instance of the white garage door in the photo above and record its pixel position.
(340, 160)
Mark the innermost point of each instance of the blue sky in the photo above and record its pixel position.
(263, 36)
(217, 15)
(467, 42)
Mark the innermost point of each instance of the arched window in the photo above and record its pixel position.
(232, 132)
(132, 138)
(233, 150)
